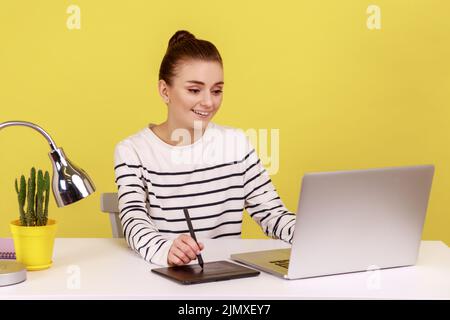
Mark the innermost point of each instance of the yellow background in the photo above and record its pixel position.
(343, 96)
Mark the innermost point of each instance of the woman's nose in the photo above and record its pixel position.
(207, 100)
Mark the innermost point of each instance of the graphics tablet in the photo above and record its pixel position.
(213, 271)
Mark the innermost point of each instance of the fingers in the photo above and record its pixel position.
(187, 250)
(183, 250)
(191, 243)
(181, 255)
(173, 260)
(177, 257)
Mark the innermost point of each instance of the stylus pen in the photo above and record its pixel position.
(191, 230)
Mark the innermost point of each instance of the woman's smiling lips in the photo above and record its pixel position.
(201, 114)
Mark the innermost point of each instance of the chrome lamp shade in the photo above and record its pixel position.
(69, 183)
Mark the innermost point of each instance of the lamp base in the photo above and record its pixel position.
(12, 272)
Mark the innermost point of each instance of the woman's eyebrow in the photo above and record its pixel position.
(202, 83)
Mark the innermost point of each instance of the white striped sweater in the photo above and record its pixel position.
(215, 178)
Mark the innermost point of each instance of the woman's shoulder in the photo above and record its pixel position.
(134, 140)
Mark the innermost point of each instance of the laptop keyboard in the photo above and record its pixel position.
(281, 263)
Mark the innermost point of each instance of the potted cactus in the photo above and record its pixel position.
(33, 232)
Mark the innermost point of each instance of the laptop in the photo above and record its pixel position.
(351, 221)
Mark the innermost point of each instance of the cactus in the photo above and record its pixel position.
(30, 203)
(37, 198)
(47, 195)
(21, 196)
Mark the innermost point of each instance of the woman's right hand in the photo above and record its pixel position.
(183, 250)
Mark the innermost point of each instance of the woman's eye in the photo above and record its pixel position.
(196, 91)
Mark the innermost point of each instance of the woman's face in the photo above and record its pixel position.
(195, 94)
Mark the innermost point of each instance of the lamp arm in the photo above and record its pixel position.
(33, 126)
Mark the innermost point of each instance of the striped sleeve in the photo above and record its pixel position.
(262, 201)
(139, 230)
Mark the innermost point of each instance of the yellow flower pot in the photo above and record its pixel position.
(34, 245)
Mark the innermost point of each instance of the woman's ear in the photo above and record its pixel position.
(163, 90)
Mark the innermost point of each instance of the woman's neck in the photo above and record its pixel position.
(186, 136)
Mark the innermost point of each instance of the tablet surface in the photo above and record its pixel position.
(213, 271)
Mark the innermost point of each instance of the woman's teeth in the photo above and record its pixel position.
(200, 113)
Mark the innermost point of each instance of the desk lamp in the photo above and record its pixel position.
(69, 184)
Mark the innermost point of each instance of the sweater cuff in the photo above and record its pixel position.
(160, 257)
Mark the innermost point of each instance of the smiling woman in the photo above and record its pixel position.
(190, 82)
(224, 177)
(189, 100)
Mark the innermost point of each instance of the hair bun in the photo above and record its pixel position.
(180, 36)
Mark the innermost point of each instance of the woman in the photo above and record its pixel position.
(190, 162)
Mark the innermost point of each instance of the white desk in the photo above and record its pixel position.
(100, 268)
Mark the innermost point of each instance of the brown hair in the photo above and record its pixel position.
(184, 46)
